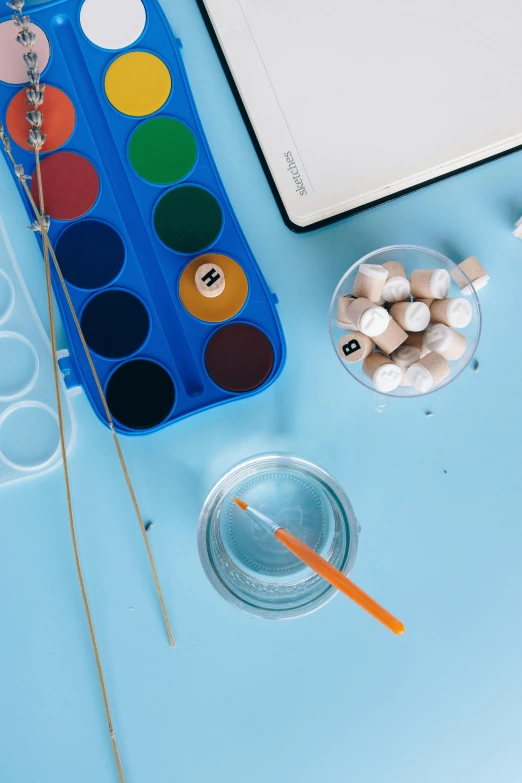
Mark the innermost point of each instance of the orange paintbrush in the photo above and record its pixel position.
(322, 567)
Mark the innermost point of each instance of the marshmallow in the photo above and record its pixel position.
(384, 374)
(368, 318)
(428, 372)
(445, 341)
(374, 321)
(370, 281)
(406, 355)
(411, 316)
(405, 381)
(397, 286)
(354, 347)
(343, 304)
(391, 338)
(418, 340)
(430, 283)
(516, 233)
(210, 280)
(456, 313)
(427, 302)
(395, 269)
(474, 271)
(396, 289)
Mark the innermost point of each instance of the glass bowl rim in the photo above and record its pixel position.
(429, 251)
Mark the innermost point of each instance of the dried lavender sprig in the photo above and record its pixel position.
(35, 95)
(4, 138)
(35, 118)
(33, 74)
(26, 38)
(36, 139)
(44, 223)
(20, 173)
(31, 58)
(22, 22)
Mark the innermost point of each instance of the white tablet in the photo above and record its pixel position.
(352, 102)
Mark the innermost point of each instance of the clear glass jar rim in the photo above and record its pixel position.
(215, 495)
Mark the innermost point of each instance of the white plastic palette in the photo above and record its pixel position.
(29, 434)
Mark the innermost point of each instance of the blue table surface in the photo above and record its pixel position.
(333, 696)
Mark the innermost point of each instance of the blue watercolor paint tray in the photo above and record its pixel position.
(158, 358)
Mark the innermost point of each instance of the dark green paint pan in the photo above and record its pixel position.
(188, 219)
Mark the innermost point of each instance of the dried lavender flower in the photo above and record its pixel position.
(35, 225)
(35, 95)
(20, 173)
(27, 38)
(16, 5)
(35, 118)
(33, 74)
(36, 139)
(22, 22)
(31, 59)
(4, 138)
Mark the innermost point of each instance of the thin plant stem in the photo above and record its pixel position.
(40, 190)
(63, 446)
(47, 243)
(65, 462)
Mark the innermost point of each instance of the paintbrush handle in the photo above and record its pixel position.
(338, 580)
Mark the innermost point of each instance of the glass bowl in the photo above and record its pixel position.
(413, 258)
(249, 568)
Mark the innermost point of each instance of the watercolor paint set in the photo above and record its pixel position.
(172, 304)
(29, 434)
